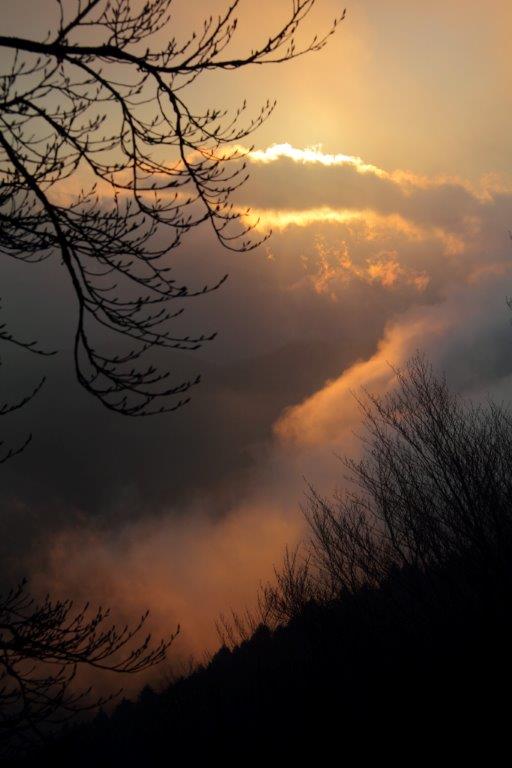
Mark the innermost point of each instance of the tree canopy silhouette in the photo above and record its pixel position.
(99, 100)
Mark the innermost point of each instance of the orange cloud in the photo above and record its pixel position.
(185, 570)
(330, 268)
(370, 223)
(463, 333)
(332, 412)
(188, 568)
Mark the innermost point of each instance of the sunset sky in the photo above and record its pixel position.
(385, 174)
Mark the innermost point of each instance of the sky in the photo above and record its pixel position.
(385, 173)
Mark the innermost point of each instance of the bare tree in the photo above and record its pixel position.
(96, 99)
(96, 102)
(431, 495)
(42, 645)
(294, 586)
(6, 451)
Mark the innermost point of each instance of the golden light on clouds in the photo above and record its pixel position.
(352, 241)
(330, 266)
(384, 175)
(330, 414)
(407, 180)
(370, 224)
(312, 155)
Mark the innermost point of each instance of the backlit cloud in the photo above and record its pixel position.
(312, 155)
(187, 515)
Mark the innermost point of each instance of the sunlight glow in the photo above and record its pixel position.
(374, 224)
(312, 154)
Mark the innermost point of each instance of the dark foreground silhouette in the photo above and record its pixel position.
(338, 675)
(390, 632)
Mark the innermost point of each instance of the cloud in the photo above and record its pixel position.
(373, 222)
(312, 155)
(188, 565)
(185, 514)
(330, 269)
(185, 569)
(407, 180)
(290, 187)
(466, 336)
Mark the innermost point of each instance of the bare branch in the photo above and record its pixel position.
(98, 99)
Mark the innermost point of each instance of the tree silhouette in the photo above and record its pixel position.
(96, 101)
(42, 645)
(392, 622)
(395, 615)
(432, 494)
(95, 104)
